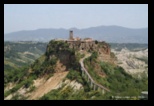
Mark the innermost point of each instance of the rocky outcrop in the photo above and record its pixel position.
(60, 50)
(101, 47)
(65, 50)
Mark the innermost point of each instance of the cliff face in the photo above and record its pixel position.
(100, 47)
(62, 52)
(104, 48)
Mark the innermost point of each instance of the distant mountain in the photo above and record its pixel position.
(114, 34)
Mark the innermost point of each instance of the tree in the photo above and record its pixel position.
(96, 42)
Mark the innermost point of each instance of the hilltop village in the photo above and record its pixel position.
(87, 44)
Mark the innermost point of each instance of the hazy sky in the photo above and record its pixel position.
(29, 17)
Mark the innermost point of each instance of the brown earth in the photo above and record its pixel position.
(47, 86)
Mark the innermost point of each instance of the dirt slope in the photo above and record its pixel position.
(47, 86)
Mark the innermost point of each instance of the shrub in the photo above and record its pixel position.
(96, 42)
(75, 75)
(32, 88)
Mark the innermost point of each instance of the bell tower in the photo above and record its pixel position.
(71, 35)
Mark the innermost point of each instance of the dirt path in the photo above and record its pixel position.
(47, 86)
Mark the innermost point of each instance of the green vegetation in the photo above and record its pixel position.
(68, 93)
(75, 75)
(18, 54)
(121, 82)
(11, 48)
(112, 55)
(90, 65)
(43, 65)
(15, 75)
(61, 50)
(18, 97)
(32, 88)
(93, 57)
(26, 83)
(79, 56)
(117, 80)
(54, 47)
(55, 51)
(96, 42)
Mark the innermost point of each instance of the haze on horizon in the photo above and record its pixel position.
(19, 17)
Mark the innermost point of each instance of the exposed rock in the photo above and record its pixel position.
(74, 84)
(130, 62)
(102, 47)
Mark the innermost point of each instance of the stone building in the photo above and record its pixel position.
(87, 44)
